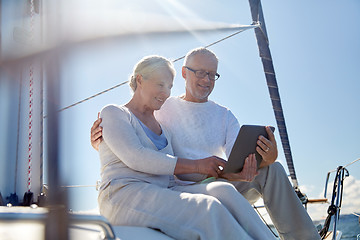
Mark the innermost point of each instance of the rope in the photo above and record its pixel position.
(41, 132)
(177, 59)
(31, 99)
(336, 201)
(256, 209)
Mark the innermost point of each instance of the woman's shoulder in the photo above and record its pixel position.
(113, 109)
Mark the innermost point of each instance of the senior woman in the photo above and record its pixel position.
(138, 166)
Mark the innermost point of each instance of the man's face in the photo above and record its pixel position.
(198, 89)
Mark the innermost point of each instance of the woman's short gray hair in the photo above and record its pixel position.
(200, 50)
(147, 65)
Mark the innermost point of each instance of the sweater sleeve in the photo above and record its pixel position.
(121, 138)
(232, 130)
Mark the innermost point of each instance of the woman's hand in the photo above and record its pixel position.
(210, 166)
(247, 174)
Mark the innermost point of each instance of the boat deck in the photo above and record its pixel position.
(29, 223)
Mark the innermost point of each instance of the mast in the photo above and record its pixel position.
(265, 55)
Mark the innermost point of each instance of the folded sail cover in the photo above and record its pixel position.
(263, 44)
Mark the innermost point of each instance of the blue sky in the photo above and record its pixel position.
(315, 48)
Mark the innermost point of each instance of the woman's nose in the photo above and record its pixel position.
(166, 93)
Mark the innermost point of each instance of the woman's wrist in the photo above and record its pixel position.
(184, 166)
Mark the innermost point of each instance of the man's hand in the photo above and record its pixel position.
(96, 134)
(247, 174)
(267, 148)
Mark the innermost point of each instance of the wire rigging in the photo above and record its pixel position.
(335, 170)
(18, 135)
(177, 59)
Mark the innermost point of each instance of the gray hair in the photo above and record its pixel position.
(147, 65)
(200, 50)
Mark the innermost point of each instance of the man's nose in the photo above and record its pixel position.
(207, 77)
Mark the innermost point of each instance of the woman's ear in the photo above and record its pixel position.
(138, 80)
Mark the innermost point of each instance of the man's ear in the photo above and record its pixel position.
(183, 72)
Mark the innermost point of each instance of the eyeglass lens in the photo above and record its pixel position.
(202, 74)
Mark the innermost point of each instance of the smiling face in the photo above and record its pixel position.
(156, 88)
(199, 89)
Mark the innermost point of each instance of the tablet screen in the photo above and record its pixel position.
(244, 145)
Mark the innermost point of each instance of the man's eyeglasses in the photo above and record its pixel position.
(201, 74)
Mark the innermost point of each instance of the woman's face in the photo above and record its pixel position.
(156, 88)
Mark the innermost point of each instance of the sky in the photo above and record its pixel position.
(315, 48)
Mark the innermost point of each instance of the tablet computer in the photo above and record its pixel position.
(244, 145)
